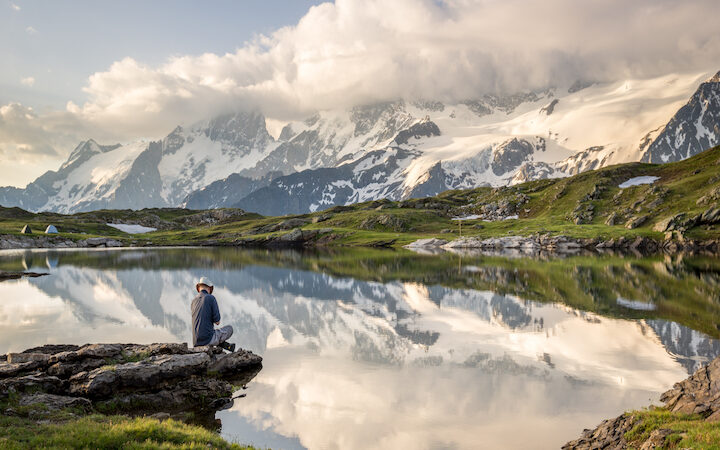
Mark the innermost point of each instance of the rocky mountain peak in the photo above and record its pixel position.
(693, 129)
(243, 130)
(84, 151)
(423, 128)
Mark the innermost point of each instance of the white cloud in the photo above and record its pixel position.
(28, 81)
(25, 134)
(357, 51)
(361, 51)
(30, 30)
(14, 7)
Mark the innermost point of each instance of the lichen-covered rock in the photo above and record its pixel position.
(10, 370)
(196, 392)
(128, 377)
(88, 351)
(699, 394)
(66, 369)
(33, 382)
(669, 223)
(583, 213)
(54, 402)
(610, 434)
(710, 216)
(384, 221)
(612, 219)
(102, 381)
(635, 222)
(51, 349)
(15, 358)
(422, 243)
(234, 362)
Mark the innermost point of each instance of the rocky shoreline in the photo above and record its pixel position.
(162, 379)
(296, 238)
(699, 394)
(564, 244)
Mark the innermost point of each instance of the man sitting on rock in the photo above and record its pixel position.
(205, 312)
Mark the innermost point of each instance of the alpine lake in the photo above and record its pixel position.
(377, 348)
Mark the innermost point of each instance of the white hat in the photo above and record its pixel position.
(205, 281)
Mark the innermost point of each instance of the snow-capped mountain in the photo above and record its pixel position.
(695, 127)
(392, 150)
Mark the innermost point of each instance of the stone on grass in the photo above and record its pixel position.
(54, 402)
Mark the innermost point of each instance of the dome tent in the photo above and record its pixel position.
(26, 230)
(51, 229)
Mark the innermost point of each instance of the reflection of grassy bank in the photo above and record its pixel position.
(588, 205)
(681, 289)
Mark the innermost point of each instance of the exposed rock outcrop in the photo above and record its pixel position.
(699, 394)
(127, 377)
(563, 244)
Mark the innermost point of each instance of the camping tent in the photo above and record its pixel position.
(26, 230)
(51, 229)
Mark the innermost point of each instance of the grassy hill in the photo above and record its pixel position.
(587, 205)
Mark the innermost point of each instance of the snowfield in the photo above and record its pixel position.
(131, 228)
(637, 181)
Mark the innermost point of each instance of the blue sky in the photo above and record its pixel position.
(60, 44)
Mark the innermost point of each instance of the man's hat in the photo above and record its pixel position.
(205, 281)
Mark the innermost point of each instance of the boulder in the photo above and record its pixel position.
(51, 349)
(384, 221)
(10, 370)
(66, 369)
(698, 394)
(234, 362)
(166, 377)
(635, 222)
(610, 434)
(102, 242)
(54, 402)
(669, 223)
(88, 351)
(27, 357)
(423, 243)
(33, 382)
(321, 218)
(710, 216)
(102, 381)
(612, 219)
(195, 394)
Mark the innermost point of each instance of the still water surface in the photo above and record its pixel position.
(382, 349)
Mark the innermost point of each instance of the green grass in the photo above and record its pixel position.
(99, 431)
(688, 431)
(549, 209)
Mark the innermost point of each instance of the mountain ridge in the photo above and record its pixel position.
(490, 141)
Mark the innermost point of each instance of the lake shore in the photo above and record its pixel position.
(690, 418)
(677, 209)
(299, 238)
(61, 387)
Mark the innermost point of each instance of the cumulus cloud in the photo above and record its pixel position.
(27, 81)
(362, 51)
(26, 135)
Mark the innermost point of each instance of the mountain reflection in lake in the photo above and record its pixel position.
(391, 349)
